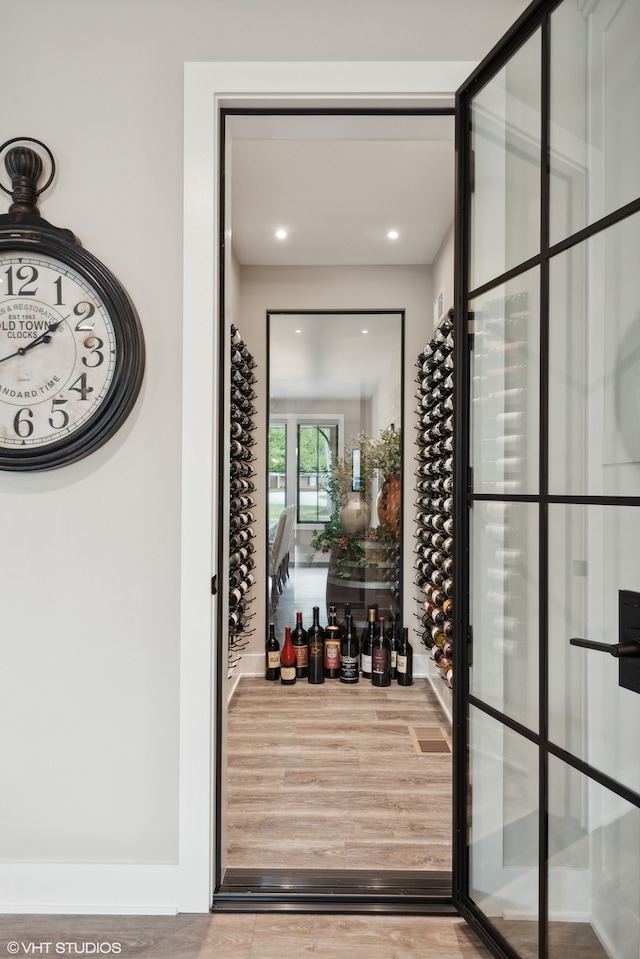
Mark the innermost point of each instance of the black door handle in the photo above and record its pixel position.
(630, 648)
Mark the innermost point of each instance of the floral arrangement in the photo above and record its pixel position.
(341, 482)
(347, 547)
(383, 453)
(386, 452)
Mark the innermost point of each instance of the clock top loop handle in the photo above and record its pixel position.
(24, 166)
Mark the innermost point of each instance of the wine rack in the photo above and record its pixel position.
(241, 499)
(434, 502)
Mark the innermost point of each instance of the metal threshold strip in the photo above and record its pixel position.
(321, 890)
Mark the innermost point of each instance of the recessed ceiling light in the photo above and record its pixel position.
(281, 234)
(393, 234)
(365, 331)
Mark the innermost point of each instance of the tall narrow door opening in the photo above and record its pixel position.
(379, 876)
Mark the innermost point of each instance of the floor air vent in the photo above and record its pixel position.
(429, 739)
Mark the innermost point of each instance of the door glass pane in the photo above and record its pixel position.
(595, 112)
(505, 139)
(503, 836)
(505, 387)
(504, 608)
(594, 877)
(594, 365)
(593, 553)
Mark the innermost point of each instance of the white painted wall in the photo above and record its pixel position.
(443, 272)
(106, 697)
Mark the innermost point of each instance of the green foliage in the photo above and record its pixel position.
(277, 449)
(314, 449)
(386, 452)
(383, 454)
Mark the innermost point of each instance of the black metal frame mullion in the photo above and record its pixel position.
(465, 497)
(461, 505)
(218, 651)
(463, 502)
(543, 489)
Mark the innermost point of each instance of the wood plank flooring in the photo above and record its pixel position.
(329, 777)
(243, 936)
(278, 936)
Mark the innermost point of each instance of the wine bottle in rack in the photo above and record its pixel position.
(272, 656)
(315, 637)
(287, 660)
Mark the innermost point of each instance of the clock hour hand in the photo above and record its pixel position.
(43, 338)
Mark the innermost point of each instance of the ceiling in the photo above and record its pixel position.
(305, 365)
(337, 185)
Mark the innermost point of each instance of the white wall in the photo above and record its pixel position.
(443, 272)
(91, 566)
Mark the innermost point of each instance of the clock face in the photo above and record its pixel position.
(71, 356)
(57, 351)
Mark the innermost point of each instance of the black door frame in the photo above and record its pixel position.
(349, 891)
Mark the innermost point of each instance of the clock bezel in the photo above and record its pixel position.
(47, 241)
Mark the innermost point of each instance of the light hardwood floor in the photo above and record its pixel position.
(241, 936)
(278, 936)
(329, 777)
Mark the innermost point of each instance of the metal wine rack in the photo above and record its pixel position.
(434, 486)
(241, 499)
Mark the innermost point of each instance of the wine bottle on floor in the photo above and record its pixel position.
(349, 653)
(272, 665)
(405, 660)
(332, 637)
(315, 637)
(394, 640)
(370, 632)
(301, 645)
(381, 658)
(347, 612)
(287, 660)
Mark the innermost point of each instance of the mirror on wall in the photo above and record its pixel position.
(334, 457)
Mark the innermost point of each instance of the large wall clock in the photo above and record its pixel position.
(71, 344)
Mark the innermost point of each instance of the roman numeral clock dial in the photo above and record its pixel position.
(71, 344)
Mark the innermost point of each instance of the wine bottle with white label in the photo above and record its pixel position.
(272, 656)
(349, 653)
(287, 660)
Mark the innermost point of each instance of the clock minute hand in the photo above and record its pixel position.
(43, 338)
(9, 356)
